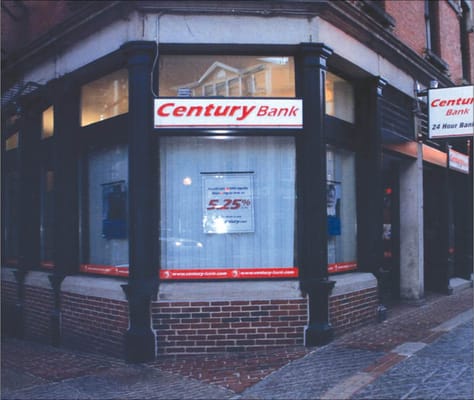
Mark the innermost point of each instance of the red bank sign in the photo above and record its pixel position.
(228, 113)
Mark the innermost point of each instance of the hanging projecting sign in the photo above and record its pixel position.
(458, 161)
(451, 112)
(227, 202)
(228, 113)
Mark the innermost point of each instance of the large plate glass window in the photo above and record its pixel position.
(105, 223)
(104, 98)
(227, 207)
(226, 76)
(47, 123)
(11, 143)
(339, 98)
(341, 210)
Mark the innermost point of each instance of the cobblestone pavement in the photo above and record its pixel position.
(421, 351)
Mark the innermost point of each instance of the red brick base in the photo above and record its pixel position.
(94, 324)
(350, 310)
(98, 324)
(204, 327)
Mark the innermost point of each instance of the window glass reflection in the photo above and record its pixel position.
(47, 128)
(104, 98)
(341, 209)
(339, 98)
(226, 76)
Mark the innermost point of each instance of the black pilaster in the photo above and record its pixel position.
(369, 176)
(142, 287)
(370, 184)
(66, 212)
(311, 164)
(468, 235)
(55, 317)
(66, 155)
(447, 227)
(28, 248)
(29, 190)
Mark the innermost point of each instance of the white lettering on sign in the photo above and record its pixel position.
(451, 112)
(225, 113)
(458, 161)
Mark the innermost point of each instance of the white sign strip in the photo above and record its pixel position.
(228, 113)
(458, 161)
(451, 112)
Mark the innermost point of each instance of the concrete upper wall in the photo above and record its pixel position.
(209, 29)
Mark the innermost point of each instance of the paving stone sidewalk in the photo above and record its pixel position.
(426, 337)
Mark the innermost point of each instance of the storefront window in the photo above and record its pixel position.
(11, 142)
(227, 76)
(227, 203)
(47, 128)
(104, 98)
(106, 241)
(341, 210)
(47, 218)
(339, 98)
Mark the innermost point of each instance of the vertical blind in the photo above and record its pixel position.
(266, 167)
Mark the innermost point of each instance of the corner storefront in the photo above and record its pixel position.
(178, 196)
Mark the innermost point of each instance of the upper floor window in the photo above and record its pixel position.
(47, 125)
(376, 9)
(339, 98)
(432, 26)
(104, 98)
(226, 76)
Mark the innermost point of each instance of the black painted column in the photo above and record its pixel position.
(66, 201)
(370, 184)
(28, 248)
(312, 212)
(29, 190)
(447, 227)
(142, 287)
(468, 233)
(369, 175)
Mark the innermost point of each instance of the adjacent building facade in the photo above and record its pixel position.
(209, 176)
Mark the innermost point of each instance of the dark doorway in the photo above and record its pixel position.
(436, 229)
(462, 218)
(391, 227)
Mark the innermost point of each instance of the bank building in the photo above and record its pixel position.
(219, 176)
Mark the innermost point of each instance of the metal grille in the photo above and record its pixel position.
(397, 122)
(19, 89)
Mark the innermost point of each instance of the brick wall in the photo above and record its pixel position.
(205, 327)
(410, 28)
(97, 324)
(9, 295)
(409, 22)
(215, 326)
(94, 324)
(39, 304)
(351, 310)
(450, 44)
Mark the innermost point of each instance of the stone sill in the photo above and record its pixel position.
(110, 288)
